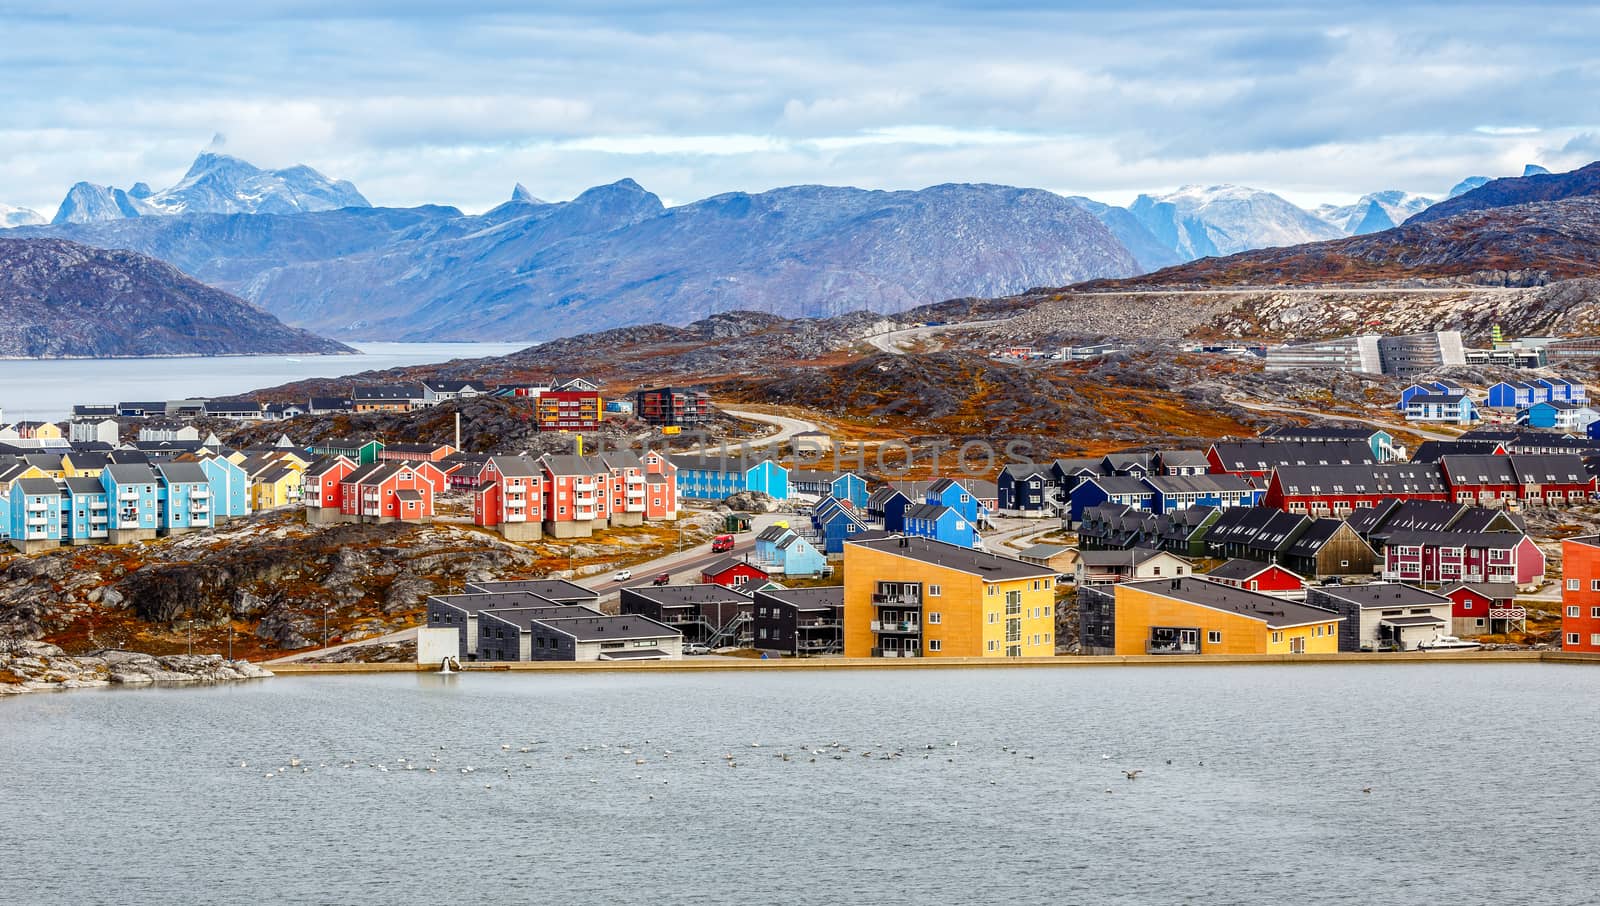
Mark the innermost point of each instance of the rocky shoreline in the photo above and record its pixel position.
(27, 666)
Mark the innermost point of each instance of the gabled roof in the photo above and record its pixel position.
(1549, 468)
(1378, 595)
(1315, 537)
(1265, 455)
(1275, 612)
(1394, 479)
(1042, 551)
(1120, 485)
(85, 486)
(820, 598)
(726, 564)
(773, 533)
(1199, 484)
(990, 567)
(516, 466)
(1242, 570)
(931, 512)
(38, 487)
(1130, 558)
(1494, 591)
(131, 473)
(559, 590)
(1483, 540)
(183, 472)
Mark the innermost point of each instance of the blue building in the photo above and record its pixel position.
(1560, 414)
(38, 507)
(851, 487)
(183, 497)
(887, 506)
(1446, 408)
(1516, 395)
(132, 493)
(951, 493)
(837, 522)
(782, 550)
(88, 511)
(1414, 390)
(717, 478)
(941, 523)
(1118, 489)
(1026, 489)
(1179, 492)
(1563, 390)
(230, 488)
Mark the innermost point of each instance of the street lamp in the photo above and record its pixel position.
(324, 626)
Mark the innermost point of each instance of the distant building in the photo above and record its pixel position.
(673, 406)
(1194, 616)
(800, 621)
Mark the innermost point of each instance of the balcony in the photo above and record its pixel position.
(897, 626)
(891, 652)
(819, 624)
(582, 487)
(200, 493)
(127, 495)
(897, 600)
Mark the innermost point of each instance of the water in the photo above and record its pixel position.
(47, 389)
(1482, 776)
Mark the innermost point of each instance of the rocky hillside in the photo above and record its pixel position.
(1523, 245)
(1536, 185)
(615, 256)
(61, 299)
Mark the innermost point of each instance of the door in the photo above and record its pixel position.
(1188, 640)
(1297, 645)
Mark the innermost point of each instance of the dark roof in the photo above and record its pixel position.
(990, 567)
(1131, 557)
(1273, 611)
(1478, 469)
(1417, 620)
(1316, 535)
(408, 495)
(1433, 450)
(516, 466)
(1549, 468)
(1120, 484)
(1238, 570)
(1043, 551)
(681, 595)
(524, 617)
(502, 600)
(1265, 455)
(1384, 594)
(819, 598)
(42, 487)
(85, 486)
(388, 392)
(559, 590)
(1364, 480)
(1319, 432)
(1494, 591)
(131, 473)
(605, 629)
(1199, 484)
(183, 472)
(727, 563)
(1424, 538)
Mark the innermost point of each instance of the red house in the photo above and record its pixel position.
(1253, 575)
(661, 486)
(1420, 556)
(510, 498)
(731, 573)
(322, 489)
(385, 492)
(1485, 608)
(577, 496)
(1580, 594)
(433, 474)
(1341, 490)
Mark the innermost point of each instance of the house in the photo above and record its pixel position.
(1580, 593)
(1066, 474)
(886, 508)
(1059, 557)
(322, 488)
(1221, 491)
(1183, 532)
(1382, 616)
(275, 486)
(1413, 391)
(1485, 608)
(916, 597)
(1115, 489)
(87, 513)
(618, 638)
(838, 522)
(1131, 465)
(800, 621)
(387, 398)
(1271, 542)
(1380, 441)
(238, 410)
(132, 491)
(821, 483)
(1181, 462)
(510, 497)
(31, 430)
(1191, 615)
(1447, 557)
(1260, 458)
(1442, 408)
(1563, 390)
(577, 496)
(96, 430)
(506, 633)
(718, 478)
(1112, 526)
(1253, 575)
(183, 497)
(1559, 414)
(708, 614)
(1435, 450)
(1516, 395)
(38, 514)
(779, 550)
(415, 452)
(1553, 479)
(1341, 490)
(1329, 547)
(230, 491)
(282, 412)
(941, 523)
(463, 613)
(672, 406)
(437, 391)
(958, 496)
(385, 492)
(731, 572)
(1026, 489)
(1114, 567)
(360, 452)
(325, 405)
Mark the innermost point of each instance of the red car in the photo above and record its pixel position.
(662, 579)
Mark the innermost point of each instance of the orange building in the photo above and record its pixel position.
(1196, 616)
(1580, 594)
(916, 597)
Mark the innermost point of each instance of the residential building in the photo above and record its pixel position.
(1329, 547)
(183, 497)
(780, 550)
(1259, 458)
(230, 490)
(1061, 558)
(507, 633)
(672, 406)
(360, 452)
(1191, 615)
(732, 572)
(1340, 491)
(1253, 575)
(941, 523)
(1112, 567)
(1122, 490)
(708, 614)
(1441, 408)
(1446, 557)
(38, 514)
(437, 391)
(415, 452)
(385, 492)
(1485, 608)
(1221, 491)
(510, 496)
(463, 613)
(718, 478)
(619, 638)
(1381, 616)
(574, 406)
(132, 491)
(915, 597)
(1580, 593)
(1380, 441)
(1562, 415)
(560, 591)
(1027, 490)
(800, 622)
(387, 398)
(87, 511)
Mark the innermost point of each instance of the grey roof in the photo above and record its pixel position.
(1043, 551)
(609, 629)
(131, 473)
(727, 563)
(183, 472)
(506, 600)
(85, 486)
(559, 590)
(685, 595)
(1319, 432)
(1239, 569)
(516, 466)
(1170, 458)
(1434, 450)
(1364, 480)
(1384, 594)
(633, 654)
(1316, 535)
(990, 567)
(1549, 468)
(388, 392)
(40, 487)
(1273, 611)
(568, 464)
(929, 511)
(1479, 469)
(1494, 591)
(1199, 484)
(1265, 455)
(1130, 558)
(1416, 620)
(772, 533)
(1120, 484)
(823, 597)
(524, 617)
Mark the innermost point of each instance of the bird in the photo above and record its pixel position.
(294, 762)
(1133, 774)
(1366, 789)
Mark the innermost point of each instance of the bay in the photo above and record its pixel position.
(47, 389)
(924, 786)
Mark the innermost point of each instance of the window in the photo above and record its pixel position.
(1572, 639)
(994, 616)
(1594, 612)
(1574, 610)
(994, 646)
(1594, 638)
(989, 590)
(1466, 605)
(935, 645)
(1155, 571)
(1594, 584)
(1047, 610)
(935, 591)
(933, 616)
(1572, 585)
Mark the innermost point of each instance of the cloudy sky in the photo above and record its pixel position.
(705, 96)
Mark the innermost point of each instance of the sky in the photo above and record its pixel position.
(456, 103)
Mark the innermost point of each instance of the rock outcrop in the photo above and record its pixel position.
(30, 666)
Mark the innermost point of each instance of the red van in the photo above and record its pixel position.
(721, 544)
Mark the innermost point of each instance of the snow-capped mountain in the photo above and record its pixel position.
(1201, 221)
(215, 184)
(1467, 185)
(13, 216)
(1534, 170)
(1374, 212)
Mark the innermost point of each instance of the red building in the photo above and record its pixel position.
(1253, 575)
(571, 496)
(672, 406)
(1485, 608)
(1550, 479)
(510, 497)
(1420, 556)
(322, 490)
(1580, 594)
(385, 492)
(1258, 458)
(1341, 490)
(731, 573)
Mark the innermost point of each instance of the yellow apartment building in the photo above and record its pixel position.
(1192, 615)
(916, 597)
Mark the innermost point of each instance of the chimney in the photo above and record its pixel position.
(458, 429)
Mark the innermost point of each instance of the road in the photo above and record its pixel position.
(787, 426)
(1311, 413)
(1292, 290)
(889, 341)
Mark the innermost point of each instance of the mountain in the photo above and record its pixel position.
(1151, 253)
(1203, 221)
(1518, 245)
(1374, 212)
(1518, 190)
(13, 216)
(1534, 170)
(61, 299)
(614, 256)
(1467, 185)
(215, 184)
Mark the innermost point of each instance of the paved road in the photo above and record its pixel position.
(890, 341)
(1312, 413)
(787, 426)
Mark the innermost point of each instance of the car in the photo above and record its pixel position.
(622, 575)
(696, 649)
(663, 579)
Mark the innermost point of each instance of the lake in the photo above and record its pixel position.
(917, 787)
(47, 389)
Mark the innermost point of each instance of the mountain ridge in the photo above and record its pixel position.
(214, 184)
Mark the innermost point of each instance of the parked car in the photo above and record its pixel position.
(622, 575)
(663, 579)
(693, 648)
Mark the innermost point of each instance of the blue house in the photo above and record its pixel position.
(1119, 489)
(1559, 414)
(1414, 390)
(781, 550)
(1026, 489)
(131, 491)
(1447, 408)
(851, 487)
(887, 506)
(838, 523)
(38, 506)
(1516, 395)
(230, 488)
(183, 497)
(88, 511)
(1563, 390)
(941, 523)
(717, 478)
(1179, 492)
(955, 495)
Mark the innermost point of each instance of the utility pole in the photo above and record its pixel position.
(324, 626)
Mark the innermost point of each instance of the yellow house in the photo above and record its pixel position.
(1197, 616)
(278, 486)
(83, 465)
(916, 597)
(13, 472)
